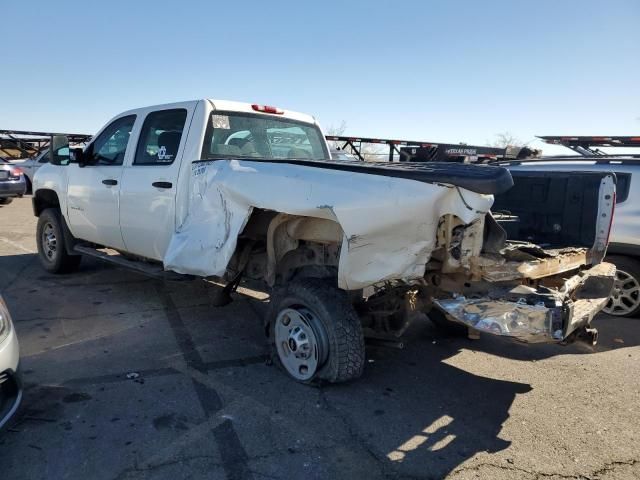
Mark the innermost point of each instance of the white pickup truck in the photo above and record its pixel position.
(233, 191)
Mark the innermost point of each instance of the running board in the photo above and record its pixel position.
(150, 269)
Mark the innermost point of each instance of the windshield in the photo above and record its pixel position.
(246, 135)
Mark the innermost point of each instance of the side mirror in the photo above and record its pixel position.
(60, 154)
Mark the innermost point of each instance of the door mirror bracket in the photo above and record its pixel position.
(77, 156)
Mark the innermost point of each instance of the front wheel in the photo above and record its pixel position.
(315, 333)
(51, 244)
(6, 201)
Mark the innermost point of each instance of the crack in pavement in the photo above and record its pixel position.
(234, 456)
(358, 440)
(608, 467)
(18, 274)
(164, 371)
(94, 315)
(17, 245)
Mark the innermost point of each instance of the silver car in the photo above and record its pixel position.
(30, 166)
(12, 182)
(10, 380)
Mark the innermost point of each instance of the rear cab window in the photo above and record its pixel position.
(160, 137)
(247, 135)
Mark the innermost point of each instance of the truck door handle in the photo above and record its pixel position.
(110, 181)
(162, 184)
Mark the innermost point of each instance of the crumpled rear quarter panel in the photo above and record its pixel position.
(389, 224)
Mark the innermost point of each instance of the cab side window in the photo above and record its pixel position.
(110, 146)
(160, 137)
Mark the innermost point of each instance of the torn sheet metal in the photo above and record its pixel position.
(389, 224)
(542, 315)
(515, 263)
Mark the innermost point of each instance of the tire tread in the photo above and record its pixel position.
(346, 357)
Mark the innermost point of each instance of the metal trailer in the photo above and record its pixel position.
(586, 146)
(21, 143)
(420, 151)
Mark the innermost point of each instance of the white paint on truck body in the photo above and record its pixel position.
(389, 224)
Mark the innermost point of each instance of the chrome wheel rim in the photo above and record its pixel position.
(49, 242)
(625, 295)
(299, 345)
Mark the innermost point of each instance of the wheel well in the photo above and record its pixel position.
(624, 249)
(43, 199)
(295, 243)
(287, 246)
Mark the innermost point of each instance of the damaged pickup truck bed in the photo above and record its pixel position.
(234, 191)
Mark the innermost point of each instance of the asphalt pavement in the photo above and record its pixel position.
(129, 377)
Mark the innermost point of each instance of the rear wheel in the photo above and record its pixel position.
(51, 244)
(625, 295)
(6, 201)
(315, 333)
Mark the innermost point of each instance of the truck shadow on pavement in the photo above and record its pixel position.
(419, 415)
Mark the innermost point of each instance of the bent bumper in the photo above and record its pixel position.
(537, 315)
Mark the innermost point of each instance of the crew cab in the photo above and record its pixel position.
(233, 191)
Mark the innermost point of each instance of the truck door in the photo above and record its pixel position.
(93, 189)
(149, 183)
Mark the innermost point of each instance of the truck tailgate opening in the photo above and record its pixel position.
(551, 209)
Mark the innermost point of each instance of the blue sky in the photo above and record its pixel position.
(448, 71)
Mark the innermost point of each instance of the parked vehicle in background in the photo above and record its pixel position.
(12, 182)
(29, 150)
(233, 191)
(624, 246)
(10, 380)
(29, 167)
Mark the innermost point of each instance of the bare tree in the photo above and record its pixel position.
(515, 148)
(371, 152)
(336, 131)
(506, 139)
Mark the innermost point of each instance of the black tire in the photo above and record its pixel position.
(6, 201)
(58, 260)
(29, 189)
(446, 326)
(336, 322)
(630, 267)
